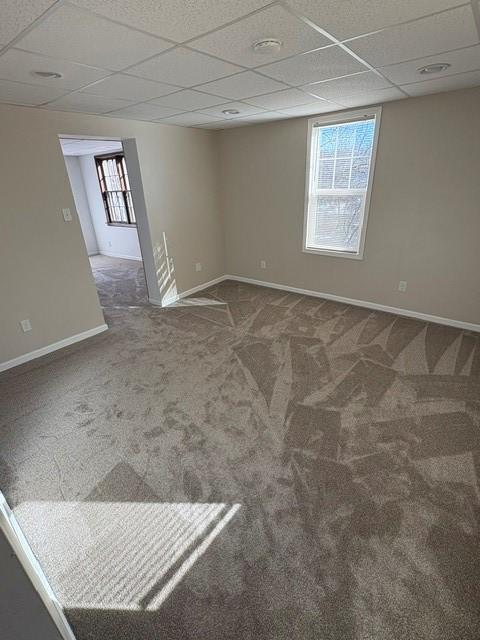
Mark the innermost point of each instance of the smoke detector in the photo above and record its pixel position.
(267, 46)
(438, 67)
(47, 75)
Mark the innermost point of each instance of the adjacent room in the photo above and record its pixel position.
(240, 320)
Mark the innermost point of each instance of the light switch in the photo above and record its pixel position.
(26, 325)
(67, 215)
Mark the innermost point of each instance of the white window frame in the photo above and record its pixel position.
(341, 118)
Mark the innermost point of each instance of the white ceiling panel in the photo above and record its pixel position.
(281, 99)
(184, 68)
(188, 100)
(16, 15)
(19, 65)
(348, 85)
(189, 119)
(86, 103)
(447, 83)
(243, 85)
(321, 106)
(178, 20)
(449, 30)
(144, 111)
(347, 18)
(324, 64)
(234, 43)
(129, 88)
(27, 94)
(372, 97)
(242, 108)
(460, 61)
(72, 34)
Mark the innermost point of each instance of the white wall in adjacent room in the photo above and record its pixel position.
(121, 242)
(81, 204)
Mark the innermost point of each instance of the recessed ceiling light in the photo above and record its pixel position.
(267, 46)
(47, 75)
(230, 112)
(438, 67)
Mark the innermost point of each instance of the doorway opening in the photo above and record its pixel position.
(109, 219)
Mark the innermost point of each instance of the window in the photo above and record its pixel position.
(115, 188)
(339, 181)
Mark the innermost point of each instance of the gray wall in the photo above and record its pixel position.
(424, 223)
(81, 203)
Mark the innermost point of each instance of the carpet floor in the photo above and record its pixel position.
(268, 466)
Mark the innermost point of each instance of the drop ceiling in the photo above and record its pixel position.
(186, 63)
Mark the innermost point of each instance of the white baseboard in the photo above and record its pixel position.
(459, 324)
(110, 254)
(191, 291)
(38, 353)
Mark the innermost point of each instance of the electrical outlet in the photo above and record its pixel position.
(26, 325)
(67, 215)
(402, 286)
(198, 266)
(263, 264)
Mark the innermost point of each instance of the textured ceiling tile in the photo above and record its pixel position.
(348, 18)
(184, 68)
(282, 99)
(130, 88)
(178, 20)
(450, 30)
(234, 43)
(448, 83)
(324, 64)
(243, 85)
(348, 85)
(310, 109)
(76, 35)
(18, 65)
(188, 119)
(19, 93)
(188, 100)
(16, 15)
(144, 112)
(460, 61)
(371, 97)
(86, 103)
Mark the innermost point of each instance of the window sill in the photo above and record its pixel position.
(334, 254)
(123, 225)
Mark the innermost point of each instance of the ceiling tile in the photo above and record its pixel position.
(78, 36)
(310, 109)
(27, 94)
(19, 14)
(243, 109)
(18, 65)
(450, 30)
(348, 85)
(462, 60)
(324, 64)
(188, 119)
(86, 103)
(235, 42)
(188, 100)
(281, 99)
(352, 18)
(129, 88)
(184, 68)
(243, 85)
(144, 112)
(174, 19)
(372, 97)
(266, 116)
(448, 83)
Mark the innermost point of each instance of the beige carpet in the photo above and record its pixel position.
(271, 467)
